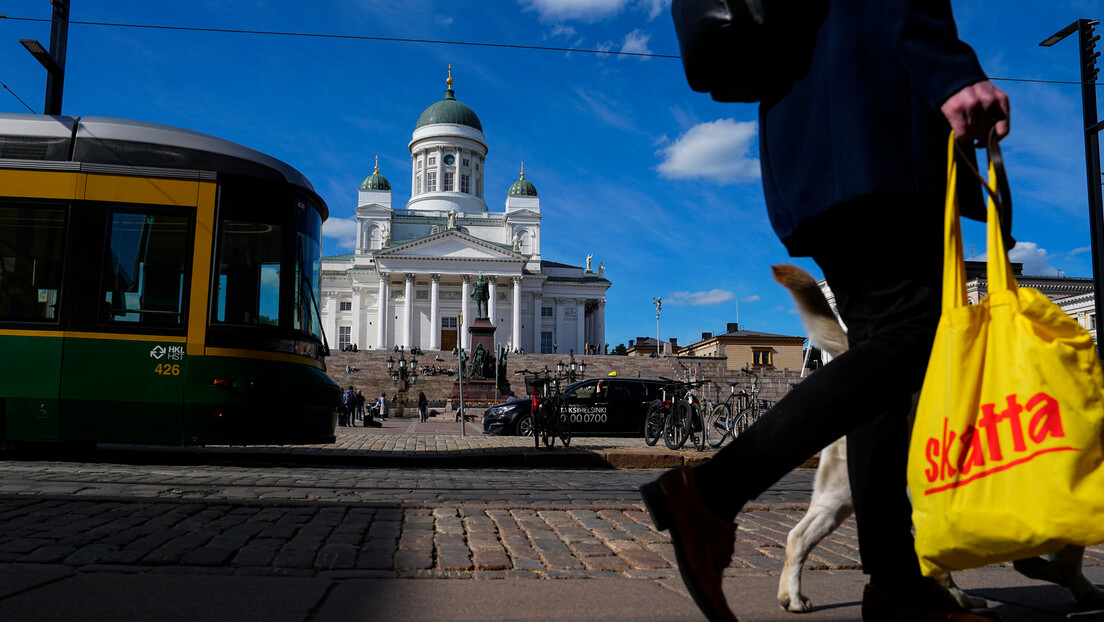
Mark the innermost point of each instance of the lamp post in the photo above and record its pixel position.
(407, 374)
(658, 302)
(54, 59)
(1087, 44)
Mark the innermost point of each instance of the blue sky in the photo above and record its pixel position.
(661, 184)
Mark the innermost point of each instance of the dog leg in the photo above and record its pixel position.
(964, 599)
(1063, 568)
(829, 507)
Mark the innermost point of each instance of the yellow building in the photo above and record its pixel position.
(749, 347)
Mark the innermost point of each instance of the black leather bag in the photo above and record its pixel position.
(745, 50)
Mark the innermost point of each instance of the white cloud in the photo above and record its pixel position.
(561, 30)
(715, 150)
(636, 42)
(752, 298)
(590, 10)
(586, 10)
(344, 231)
(700, 299)
(1035, 260)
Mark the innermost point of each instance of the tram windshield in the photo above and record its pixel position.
(269, 262)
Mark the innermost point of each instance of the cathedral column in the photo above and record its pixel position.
(492, 296)
(354, 337)
(600, 325)
(580, 323)
(434, 312)
(381, 318)
(330, 313)
(408, 311)
(515, 336)
(465, 309)
(559, 311)
(536, 322)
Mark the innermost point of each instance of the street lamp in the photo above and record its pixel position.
(658, 302)
(1087, 42)
(54, 59)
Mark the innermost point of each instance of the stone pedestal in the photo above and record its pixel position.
(481, 391)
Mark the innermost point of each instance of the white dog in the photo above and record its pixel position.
(831, 501)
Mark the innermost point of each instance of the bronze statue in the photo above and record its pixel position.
(481, 294)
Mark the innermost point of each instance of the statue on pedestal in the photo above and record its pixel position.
(481, 294)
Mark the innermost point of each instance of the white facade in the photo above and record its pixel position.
(409, 281)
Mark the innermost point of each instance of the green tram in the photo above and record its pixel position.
(157, 286)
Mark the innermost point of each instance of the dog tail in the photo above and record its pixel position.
(824, 329)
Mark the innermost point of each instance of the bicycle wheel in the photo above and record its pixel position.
(675, 428)
(565, 428)
(695, 427)
(717, 423)
(550, 421)
(743, 420)
(538, 424)
(653, 422)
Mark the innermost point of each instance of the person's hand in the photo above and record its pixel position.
(975, 109)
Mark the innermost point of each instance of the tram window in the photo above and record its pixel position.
(32, 239)
(249, 274)
(145, 269)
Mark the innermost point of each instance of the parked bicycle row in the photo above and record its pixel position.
(681, 412)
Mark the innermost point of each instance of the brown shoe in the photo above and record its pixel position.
(703, 543)
(926, 602)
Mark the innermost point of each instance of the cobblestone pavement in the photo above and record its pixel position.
(478, 523)
(144, 515)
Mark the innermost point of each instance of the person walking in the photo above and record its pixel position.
(854, 148)
(382, 406)
(359, 406)
(423, 406)
(348, 407)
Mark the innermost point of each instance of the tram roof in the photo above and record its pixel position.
(124, 142)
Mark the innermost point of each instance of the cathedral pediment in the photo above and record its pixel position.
(449, 245)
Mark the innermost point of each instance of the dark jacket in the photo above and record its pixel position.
(865, 119)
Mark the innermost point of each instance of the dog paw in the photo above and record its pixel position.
(1085, 593)
(967, 601)
(795, 605)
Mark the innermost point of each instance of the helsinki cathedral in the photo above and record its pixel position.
(409, 281)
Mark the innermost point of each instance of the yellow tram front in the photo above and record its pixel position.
(157, 286)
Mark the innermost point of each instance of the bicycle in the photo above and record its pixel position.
(549, 420)
(720, 422)
(655, 418)
(685, 423)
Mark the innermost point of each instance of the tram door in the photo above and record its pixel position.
(126, 384)
(32, 239)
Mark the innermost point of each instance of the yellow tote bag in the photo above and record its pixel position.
(1006, 451)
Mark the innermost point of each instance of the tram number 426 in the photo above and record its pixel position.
(165, 369)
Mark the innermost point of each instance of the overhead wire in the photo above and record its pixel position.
(322, 35)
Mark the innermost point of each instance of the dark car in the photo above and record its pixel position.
(597, 406)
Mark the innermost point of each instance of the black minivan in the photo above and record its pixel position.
(597, 406)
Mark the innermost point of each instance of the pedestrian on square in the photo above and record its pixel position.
(348, 407)
(381, 405)
(855, 148)
(360, 404)
(423, 405)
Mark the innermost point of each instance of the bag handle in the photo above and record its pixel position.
(999, 201)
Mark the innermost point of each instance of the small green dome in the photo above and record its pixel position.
(448, 110)
(522, 187)
(376, 181)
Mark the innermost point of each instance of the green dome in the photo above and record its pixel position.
(448, 110)
(522, 188)
(376, 181)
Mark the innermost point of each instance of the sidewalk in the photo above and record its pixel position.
(71, 551)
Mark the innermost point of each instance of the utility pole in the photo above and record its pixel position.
(1087, 45)
(53, 60)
